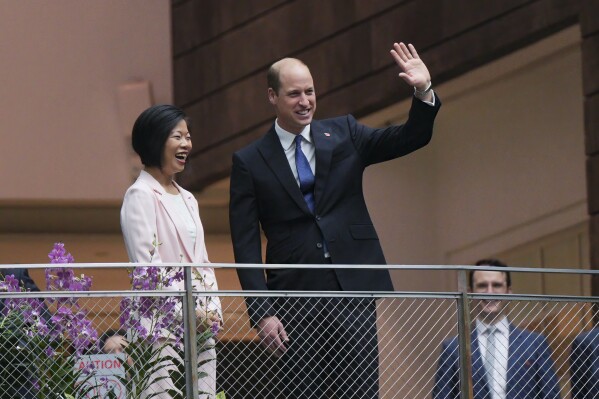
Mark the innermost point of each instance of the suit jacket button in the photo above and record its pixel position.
(318, 245)
(317, 217)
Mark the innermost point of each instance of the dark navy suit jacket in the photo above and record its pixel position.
(265, 194)
(24, 391)
(584, 365)
(22, 275)
(531, 372)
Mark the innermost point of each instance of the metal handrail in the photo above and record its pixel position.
(461, 296)
(309, 266)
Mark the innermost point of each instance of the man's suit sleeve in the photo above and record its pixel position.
(28, 282)
(21, 274)
(580, 369)
(379, 145)
(245, 233)
(243, 218)
(447, 384)
(547, 379)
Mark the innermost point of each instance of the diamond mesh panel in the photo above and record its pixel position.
(338, 347)
(542, 349)
(127, 344)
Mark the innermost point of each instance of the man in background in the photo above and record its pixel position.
(584, 365)
(507, 362)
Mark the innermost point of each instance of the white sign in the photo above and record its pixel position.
(106, 369)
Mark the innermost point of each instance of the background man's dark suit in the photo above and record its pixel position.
(584, 365)
(531, 371)
(19, 383)
(22, 275)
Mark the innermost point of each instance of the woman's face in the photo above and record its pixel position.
(176, 149)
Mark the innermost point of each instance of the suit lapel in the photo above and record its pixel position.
(179, 226)
(323, 144)
(178, 222)
(274, 156)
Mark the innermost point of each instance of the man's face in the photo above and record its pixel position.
(489, 282)
(295, 102)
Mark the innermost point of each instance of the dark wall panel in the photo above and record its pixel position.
(222, 49)
(198, 22)
(593, 184)
(591, 125)
(590, 64)
(221, 61)
(215, 163)
(251, 48)
(589, 23)
(594, 235)
(471, 44)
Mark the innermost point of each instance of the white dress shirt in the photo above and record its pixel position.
(498, 377)
(287, 140)
(176, 201)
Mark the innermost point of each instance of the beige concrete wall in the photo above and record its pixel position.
(62, 63)
(506, 164)
(506, 167)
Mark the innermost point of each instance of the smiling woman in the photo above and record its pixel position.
(161, 223)
(176, 149)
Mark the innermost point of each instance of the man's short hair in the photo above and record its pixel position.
(489, 262)
(272, 75)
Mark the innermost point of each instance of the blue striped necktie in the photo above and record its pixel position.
(304, 173)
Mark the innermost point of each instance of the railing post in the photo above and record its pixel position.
(189, 338)
(464, 337)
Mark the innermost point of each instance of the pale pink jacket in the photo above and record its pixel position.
(146, 218)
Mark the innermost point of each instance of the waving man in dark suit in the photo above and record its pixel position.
(302, 184)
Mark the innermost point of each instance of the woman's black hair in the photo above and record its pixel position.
(151, 130)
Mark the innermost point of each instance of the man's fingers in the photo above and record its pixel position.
(279, 347)
(401, 50)
(413, 51)
(283, 336)
(397, 59)
(277, 344)
(273, 343)
(273, 335)
(405, 51)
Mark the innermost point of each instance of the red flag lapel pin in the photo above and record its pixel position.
(327, 134)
